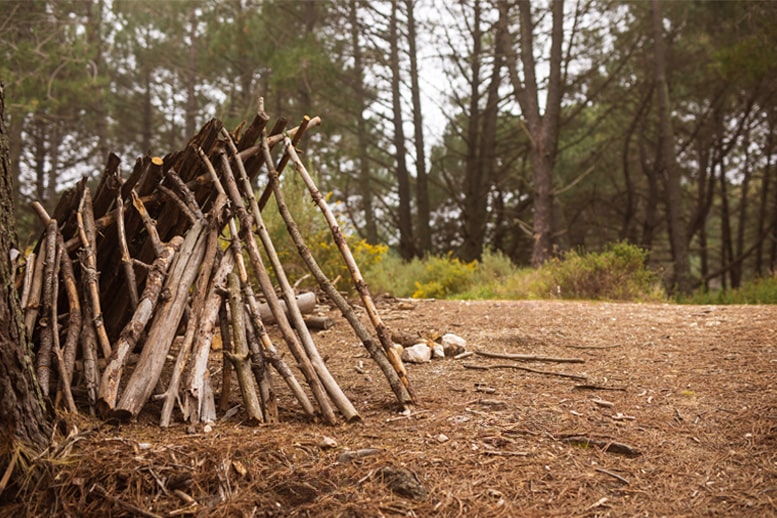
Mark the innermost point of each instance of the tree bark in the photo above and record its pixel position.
(406, 240)
(364, 181)
(422, 184)
(678, 231)
(543, 128)
(23, 416)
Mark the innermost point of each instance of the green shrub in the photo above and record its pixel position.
(758, 291)
(394, 276)
(618, 273)
(444, 276)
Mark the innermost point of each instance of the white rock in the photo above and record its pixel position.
(327, 443)
(453, 344)
(419, 353)
(438, 351)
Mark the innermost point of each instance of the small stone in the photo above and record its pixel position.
(419, 353)
(453, 344)
(441, 438)
(327, 443)
(207, 428)
(438, 351)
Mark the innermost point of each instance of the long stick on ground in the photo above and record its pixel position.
(333, 389)
(383, 332)
(525, 369)
(329, 288)
(528, 357)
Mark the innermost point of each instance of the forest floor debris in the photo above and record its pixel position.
(698, 383)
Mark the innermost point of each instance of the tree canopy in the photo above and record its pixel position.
(525, 128)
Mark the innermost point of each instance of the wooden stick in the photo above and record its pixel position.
(261, 375)
(200, 298)
(334, 295)
(320, 323)
(333, 389)
(254, 130)
(185, 210)
(164, 324)
(70, 348)
(276, 139)
(89, 352)
(126, 259)
(195, 385)
(128, 339)
(149, 223)
(527, 369)
(247, 236)
(186, 194)
(29, 271)
(528, 357)
(271, 352)
(64, 377)
(306, 302)
(47, 326)
(61, 262)
(32, 307)
(240, 359)
(86, 231)
(226, 349)
(384, 335)
(283, 161)
(614, 475)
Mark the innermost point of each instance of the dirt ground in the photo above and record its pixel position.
(672, 412)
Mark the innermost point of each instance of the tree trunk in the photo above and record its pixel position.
(365, 184)
(23, 417)
(763, 206)
(543, 128)
(674, 201)
(422, 185)
(474, 205)
(406, 242)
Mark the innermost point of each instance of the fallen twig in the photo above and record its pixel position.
(614, 475)
(590, 346)
(598, 387)
(608, 446)
(100, 490)
(528, 357)
(527, 369)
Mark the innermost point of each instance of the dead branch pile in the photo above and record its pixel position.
(138, 266)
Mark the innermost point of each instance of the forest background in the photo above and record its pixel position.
(451, 129)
